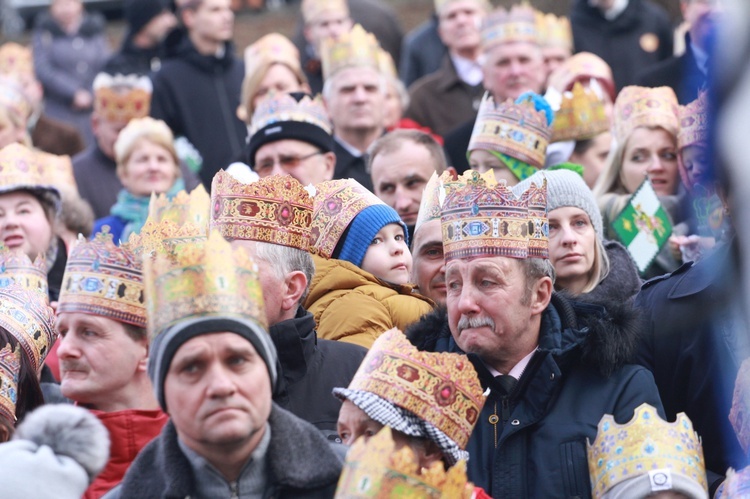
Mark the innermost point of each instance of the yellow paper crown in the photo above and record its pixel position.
(26, 315)
(554, 31)
(275, 209)
(121, 98)
(335, 204)
(357, 48)
(515, 25)
(644, 106)
(581, 116)
(21, 169)
(646, 442)
(17, 269)
(16, 59)
(272, 48)
(441, 388)
(313, 9)
(10, 367)
(518, 130)
(432, 199)
(694, 122)
(283, 107)
(482, 217)
(202, 279)
(376, 469)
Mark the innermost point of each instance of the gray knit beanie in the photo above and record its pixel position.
(566, 188)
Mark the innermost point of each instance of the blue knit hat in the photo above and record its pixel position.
(363, 229)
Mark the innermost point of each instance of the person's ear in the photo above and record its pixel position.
(330, 159)
(541, 295)
(295, 285)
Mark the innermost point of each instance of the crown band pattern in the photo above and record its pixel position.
(28, 317)
(10, 368)
(358, 48)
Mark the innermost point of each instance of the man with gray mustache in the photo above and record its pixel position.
(553, 367)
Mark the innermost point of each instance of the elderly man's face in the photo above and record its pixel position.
(511, 69)
(357, 100)
(459, 23)
(218, 393)
(428, 269)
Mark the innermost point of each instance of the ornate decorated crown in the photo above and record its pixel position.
(202, 278)
(736, 485)
(581, 116)
(10, 368)
(335, 204)
(104, 279)
(16, 59)
(17, 269)
(313, 9)
(374, 468)
(515, 25)
(357, 48)
(58, 170)
(21, 169)
(644, 106)
(518, 130)
(26, 315)
(432, 199)
(272, 47)
(554, 31)
(441, 388)
(121, 98)
(482, 217)
(694, 122)
(646, 442)
(284, 107)
(275, 209)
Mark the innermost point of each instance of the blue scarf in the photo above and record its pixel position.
(134, 209)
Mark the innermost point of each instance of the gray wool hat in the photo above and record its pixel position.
(566, 188)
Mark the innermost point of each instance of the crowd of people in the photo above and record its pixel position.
(494, 260)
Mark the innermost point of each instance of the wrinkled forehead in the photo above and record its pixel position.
(473, 266)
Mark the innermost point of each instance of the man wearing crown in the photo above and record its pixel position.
(553, 368)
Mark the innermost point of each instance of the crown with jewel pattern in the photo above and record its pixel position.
(21, 169)
(16, 59)
(335, 204)
(694, 122)
(275, 209)
(357, 48)
(374, 468)
(26, 315)
(202, 278)
(432, 198)
(121, 98)
(441, 388)
(518, 24)
(646, 442)
(581, 116)
(518, 130)
(10, 368)
(104, 279)
(554, 31)
(16, 268)
(283, 107)
(645, 107)
(482, 217)
(313, 9)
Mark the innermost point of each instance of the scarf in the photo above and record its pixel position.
(134, 209)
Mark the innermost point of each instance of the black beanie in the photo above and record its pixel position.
(139, 13)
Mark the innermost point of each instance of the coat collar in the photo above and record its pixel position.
(295, 341)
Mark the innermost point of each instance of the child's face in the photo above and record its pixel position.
(388, 257)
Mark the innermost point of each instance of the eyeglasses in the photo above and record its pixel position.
(286, 162)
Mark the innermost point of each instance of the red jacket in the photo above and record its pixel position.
(129, 432)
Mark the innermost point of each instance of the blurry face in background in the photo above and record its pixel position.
(393, 107)
(158, 27)
(212, 20)
(329, 24)
(357, 100)
(554, 57)
(695, 159)
(459, 24)
(150, 168)
(280, 79)
(106, 133)
(67, 13)
(650, 152)
(23, 224)
(511, 69)
(483, 161)
(594, 158)
(428, 271)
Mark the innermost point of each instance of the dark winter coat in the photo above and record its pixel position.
(348, 166)
(310, 369)
(456, 144)
(422, 52)
(197, 96)
(131, 59)
(578, 374)
(681, 73)
(300, 461)
(695, 339)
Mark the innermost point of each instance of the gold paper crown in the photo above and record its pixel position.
(21, 169)
(10, 368)
(273, 48)
(121, 98)
(335, 204)
(58, 170)
(283, 107)
(17, 269)
(694, 122)
(554, 31)
(104, 279)
(581, 116)
(515, 25)
(275, 209)
(482, 217)
(441, 388)
(646, 442)
(518, 130)
(432, 199)
(26, 315)
(16, 59)
(313, 9)
(357, 48)
(202, 278)
(374, 468)
(643, 106)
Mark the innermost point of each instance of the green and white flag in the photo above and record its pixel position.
(643, 226)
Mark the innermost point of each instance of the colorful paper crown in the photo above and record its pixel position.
(518, 130)
(736, 485)
(646, 442)
(313, 9)
(554, 31)
(441, 388)
(104, 279)
(274, 209)
(515, 25)
(645, 107)
(432, 199)
(581, 116)
(272, 48)
(357, 48)
(13, 99)
(283, 107)
(694, 122)
(202, 279)
(20, 168)
(17, 269)
(374, 468)
(16, 59)
(121, 98)
(26, 315)
(58, 170)
(482, 217)
(10, 368)
(335, 204)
